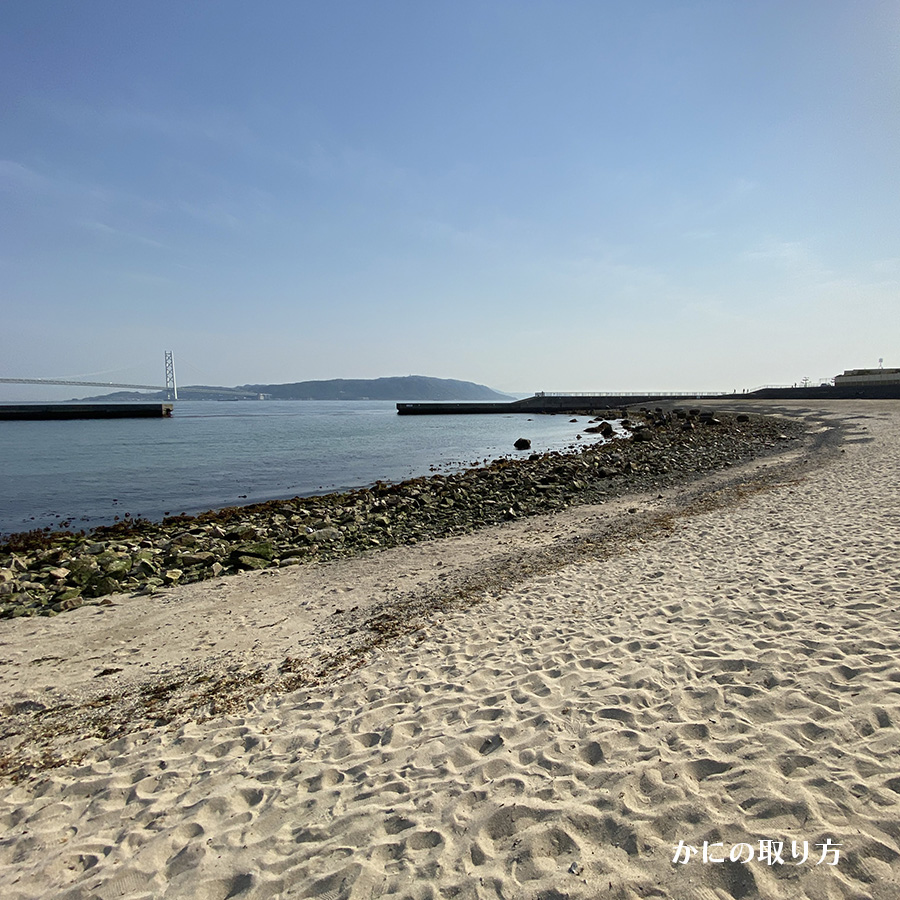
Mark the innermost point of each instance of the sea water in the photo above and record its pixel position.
(215, 454)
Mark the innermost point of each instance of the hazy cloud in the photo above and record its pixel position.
(14, 175)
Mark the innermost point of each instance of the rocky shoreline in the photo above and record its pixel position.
(47, 574)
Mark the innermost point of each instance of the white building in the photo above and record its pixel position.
(868, 376)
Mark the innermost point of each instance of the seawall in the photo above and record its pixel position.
(37, 411)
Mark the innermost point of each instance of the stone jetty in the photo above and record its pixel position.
(43, 411)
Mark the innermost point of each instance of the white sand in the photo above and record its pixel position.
(734, 679)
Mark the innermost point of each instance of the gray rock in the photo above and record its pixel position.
(150, 586)
(114, 565)
(72, 602)
(200, 558)
(327, 535)
(142, 568)
(250, 562)
(100, 585)
(291, 561)
(81, 570)
(262, 549)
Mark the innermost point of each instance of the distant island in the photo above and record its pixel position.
(408, 387)
(401, 388)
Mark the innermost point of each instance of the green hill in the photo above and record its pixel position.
(409, 387)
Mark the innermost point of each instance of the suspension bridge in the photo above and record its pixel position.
(170, 387)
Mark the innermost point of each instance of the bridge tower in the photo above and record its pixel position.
(171, 387)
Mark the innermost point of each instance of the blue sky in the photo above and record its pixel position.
(532, 195)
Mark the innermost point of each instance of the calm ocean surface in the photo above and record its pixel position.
(210, 455)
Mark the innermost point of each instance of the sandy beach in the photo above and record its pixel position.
(689, 695)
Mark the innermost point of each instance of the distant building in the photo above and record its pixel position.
(867, 376)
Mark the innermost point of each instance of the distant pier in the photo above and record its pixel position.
(547, 403)
(39, 411)
(882, 386)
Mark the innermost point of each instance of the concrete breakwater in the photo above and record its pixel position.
(46, 574)
(556, 403)
(39, 411)
(545, 403)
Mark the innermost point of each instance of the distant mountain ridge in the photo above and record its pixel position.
(406, 387)
(399, 388)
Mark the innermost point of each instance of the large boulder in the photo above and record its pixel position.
(261, 550)
(326, 535)
(243, 561)
(522, 444)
